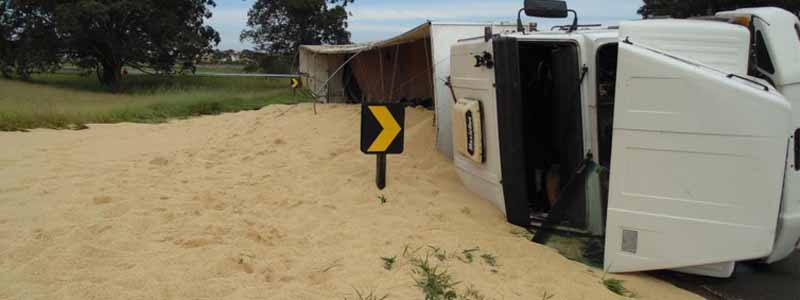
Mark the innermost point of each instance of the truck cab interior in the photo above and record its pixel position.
(543, 144)
(552, 127)
(552, 139)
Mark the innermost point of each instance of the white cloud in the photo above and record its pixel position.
(372, 27)
(471, 9)
(230, 23)
(434, 12)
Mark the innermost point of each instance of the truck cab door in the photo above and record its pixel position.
(472, 79)
(697, 166)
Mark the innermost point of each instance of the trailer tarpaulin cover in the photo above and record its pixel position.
(389, 70)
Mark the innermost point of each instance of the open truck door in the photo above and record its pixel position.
(698, 161)
(475, 137)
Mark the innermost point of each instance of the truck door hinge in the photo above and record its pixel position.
(627, 40)
(584, 71)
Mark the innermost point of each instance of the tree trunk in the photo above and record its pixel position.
(111, 76)
(4, 71)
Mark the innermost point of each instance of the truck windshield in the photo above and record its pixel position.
(797, 29)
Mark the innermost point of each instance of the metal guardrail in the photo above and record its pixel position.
(246, 75)
(207, 74)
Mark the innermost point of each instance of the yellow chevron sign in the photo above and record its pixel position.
(382, 128)
(295, 83)
(390, 129)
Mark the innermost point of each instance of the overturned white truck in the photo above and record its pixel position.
(692, 126)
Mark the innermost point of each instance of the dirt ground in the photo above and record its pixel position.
(270, 204)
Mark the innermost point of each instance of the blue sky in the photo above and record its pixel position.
(379, 19)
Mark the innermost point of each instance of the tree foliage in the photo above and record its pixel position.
(693, 8)
(107, 35)
(28, 43)
(269, 63)
(281, 26)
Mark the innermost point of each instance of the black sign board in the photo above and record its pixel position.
(382, 128)
(382, 133)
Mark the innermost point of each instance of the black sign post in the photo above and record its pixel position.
(381, 134)
(380, 177)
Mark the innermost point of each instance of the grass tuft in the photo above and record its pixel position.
(547, 296)
(468, 256)
(616, 286)
(368, 295)
(440, 254)
(435, 284)
(472, 294)
(523, 233)
(489, 259)
(388, 262)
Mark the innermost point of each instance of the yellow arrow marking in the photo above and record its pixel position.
(390, 129)
(295, 83)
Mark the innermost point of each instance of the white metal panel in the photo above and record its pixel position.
(789, 223)
(697, 166)
(477, 83)
(443, 37)
(719, 270)
(783, 44)
(720, 45)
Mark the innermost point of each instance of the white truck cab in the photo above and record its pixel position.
(676, 140)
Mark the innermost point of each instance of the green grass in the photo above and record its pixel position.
(586, 250)
(468, 255)
(617, 287)
(522, 232)
(547, 296)
(388, 262)
(472, 294)
(431, 276)
(436, 284)
(489, 259)
(368, 295)
(62, 101)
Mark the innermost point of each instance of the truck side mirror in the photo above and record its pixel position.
(546, 8)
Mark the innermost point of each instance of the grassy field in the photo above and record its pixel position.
(69, 100)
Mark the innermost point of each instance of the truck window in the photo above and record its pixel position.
(762, 54)
(797, 150)
(606, 83)
(797, 29)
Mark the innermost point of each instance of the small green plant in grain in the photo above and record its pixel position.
(523, 233)
(472, 294)
(489, 259)
(388, 262)
(547, 296)
(616, 286)
(382, 199)
(467, 255)
(440, 254)
(368, 295)
(435, 284)
(408, 252)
